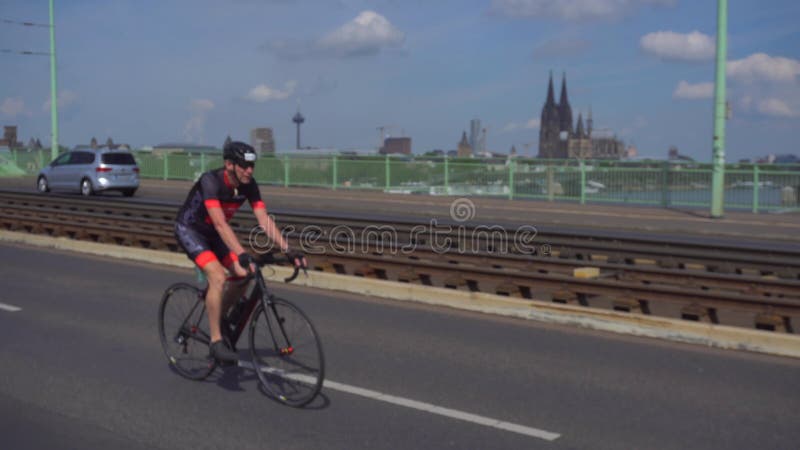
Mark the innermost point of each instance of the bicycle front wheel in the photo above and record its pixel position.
(287, 352)
(183, 328)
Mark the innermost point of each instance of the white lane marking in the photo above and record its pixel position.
(9, 308)
(414, 404)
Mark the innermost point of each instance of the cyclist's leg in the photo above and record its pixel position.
(201, 250)
(233, 289)
(215, 274)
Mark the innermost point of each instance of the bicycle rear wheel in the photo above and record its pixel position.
(287, 353)
(183, 328)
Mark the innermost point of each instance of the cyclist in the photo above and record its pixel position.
(202, 231)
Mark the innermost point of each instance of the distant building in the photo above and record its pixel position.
(675, 155)
(558, 138)
(464, 149)
(262, 140)
(475, 136)
(34, 144)
(579, 145)
(399, 145)
(94, 145)
(607, 146)
(10, 137)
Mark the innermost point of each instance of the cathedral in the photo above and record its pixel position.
(558, 138)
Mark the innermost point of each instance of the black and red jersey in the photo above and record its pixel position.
(215, 190)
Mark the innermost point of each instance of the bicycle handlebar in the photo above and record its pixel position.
(270, 258)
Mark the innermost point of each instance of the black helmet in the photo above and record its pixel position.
(239, 153)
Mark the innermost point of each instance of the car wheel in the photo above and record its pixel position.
(86, 187)
(42, 186)
(128, 192)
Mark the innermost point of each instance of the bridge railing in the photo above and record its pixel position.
(754, 187)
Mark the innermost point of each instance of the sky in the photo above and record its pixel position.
(146, 72)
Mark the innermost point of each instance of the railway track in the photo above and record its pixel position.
(737, 285)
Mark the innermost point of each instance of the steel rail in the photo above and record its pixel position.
(88, 226)
(742, 300)
(668, 254)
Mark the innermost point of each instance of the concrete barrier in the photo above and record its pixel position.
(705, 334)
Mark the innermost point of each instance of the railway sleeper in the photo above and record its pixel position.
(630, 305)
(370, 272)
(459, 282)
(413, 277)
(569, 297)
(508, 289)
(330, 267)
(773, 322)
(699, 313)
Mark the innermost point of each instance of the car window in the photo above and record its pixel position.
(62, 159)
(118, 158)
(86, 158)
(81, 158)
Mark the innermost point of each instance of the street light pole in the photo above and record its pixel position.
(718, 156)
(53, 91)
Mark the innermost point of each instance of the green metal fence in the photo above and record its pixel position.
(659, 183)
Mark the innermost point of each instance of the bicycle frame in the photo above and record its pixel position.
(262, 293)
(259, 293)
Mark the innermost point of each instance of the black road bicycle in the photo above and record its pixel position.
(285, 349)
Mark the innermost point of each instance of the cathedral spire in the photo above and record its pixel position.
(551, 99)
(564, 110)
(564, 100)
(589, 122)
(579, 128)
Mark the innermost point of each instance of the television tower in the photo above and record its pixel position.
(298, 119)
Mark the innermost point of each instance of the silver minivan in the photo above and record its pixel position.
(90, 171)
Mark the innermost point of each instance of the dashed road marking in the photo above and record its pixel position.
(414, 404)
(9, 308)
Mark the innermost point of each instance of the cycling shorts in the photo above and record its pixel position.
(203, 249)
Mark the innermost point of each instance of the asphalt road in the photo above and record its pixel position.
(82, 368)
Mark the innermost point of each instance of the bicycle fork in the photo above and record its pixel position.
(282, 350)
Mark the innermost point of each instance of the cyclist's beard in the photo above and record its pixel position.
(239, 179)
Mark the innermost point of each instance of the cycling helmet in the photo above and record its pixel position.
(239, 153)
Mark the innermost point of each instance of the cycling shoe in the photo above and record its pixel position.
(221, 352)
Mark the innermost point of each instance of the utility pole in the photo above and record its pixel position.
(53, 91)
(718, 156)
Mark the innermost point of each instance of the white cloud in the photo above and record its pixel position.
(65, 98)
(760, 66)
(529, 125)
(775, 108)
(12, 107)
(195, 126)
(668, 45)
(263, 93)
(368, 33)
(693, 91)
(572, 10)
